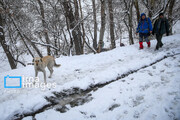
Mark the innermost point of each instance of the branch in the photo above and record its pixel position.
(47, 45)
(19, 62)
(93, 50)
(125, 22)
(80, 22)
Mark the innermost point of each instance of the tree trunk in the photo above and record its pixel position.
(113, 44)
(70, 36)
(103, 23)
(78, 27)
(72, 22)
(95, 25)
(171, 6)
(120, 33)
(137, 10)
(5, 46)
(82, 25)
(44, 26)
(130, 24)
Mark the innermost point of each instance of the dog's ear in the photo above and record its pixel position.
(41, 59)
(33, 60)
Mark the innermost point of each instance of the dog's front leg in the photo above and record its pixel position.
(44, 72)
(36, 73)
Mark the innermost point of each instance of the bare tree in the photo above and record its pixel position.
(12, 22)
(76, 33)
(103, 23)
(82, 25)
(5, 46)
(44, 24)
(128, 8)
(137, 10)
(170, 13)
(113, 44)
(95, 25)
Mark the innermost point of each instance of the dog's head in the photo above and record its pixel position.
(37, 60)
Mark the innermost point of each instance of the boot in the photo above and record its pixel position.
(157, 48)
(140, 45)
(161, 45)
(149, 44)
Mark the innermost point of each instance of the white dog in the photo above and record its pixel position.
(41, 63)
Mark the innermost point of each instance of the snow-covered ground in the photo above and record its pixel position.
(150, 93)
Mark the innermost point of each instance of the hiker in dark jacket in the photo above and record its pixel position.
(144, 29)
(161, 27)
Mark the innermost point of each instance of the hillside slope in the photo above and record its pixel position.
(89, 70)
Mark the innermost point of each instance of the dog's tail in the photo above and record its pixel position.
(56, 65)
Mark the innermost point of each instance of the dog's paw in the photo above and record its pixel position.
(49, 77)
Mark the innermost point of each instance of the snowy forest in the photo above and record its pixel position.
(96, 59)
(73, 27)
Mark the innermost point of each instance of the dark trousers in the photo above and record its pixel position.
(159, 42)
(143, 35)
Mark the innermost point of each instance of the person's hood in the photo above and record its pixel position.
(143, 14)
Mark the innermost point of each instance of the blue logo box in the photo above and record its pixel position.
(12, 77)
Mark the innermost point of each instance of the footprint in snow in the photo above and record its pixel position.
(170, 73)
(138, 100)
(145, 87)
(168, 65)
(164, 81)
(123, 80)
(154, 67)
(125, 112)
(120, 60)
(162, 71)
(158, 97)
(154, 117)
(155, 84)
(136, 114)
(114, 106)
(84, 113)
(92, 116)
(150, 74)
